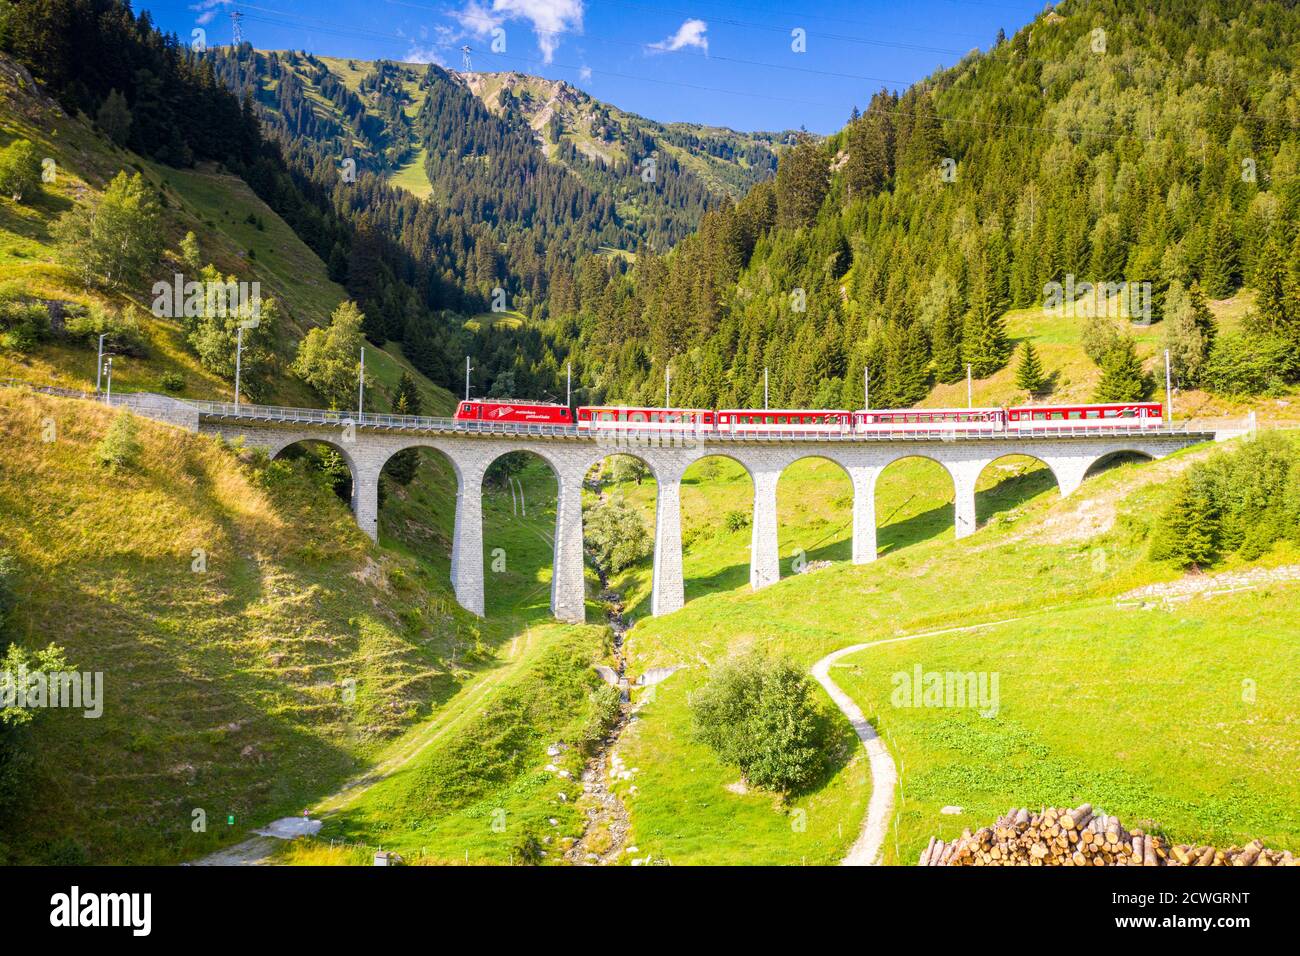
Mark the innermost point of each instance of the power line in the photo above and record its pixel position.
(330, 27)
(701, 56)
(339, 30)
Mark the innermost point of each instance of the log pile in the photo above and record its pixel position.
(1080, 837)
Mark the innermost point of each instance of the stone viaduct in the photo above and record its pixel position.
(368, 443)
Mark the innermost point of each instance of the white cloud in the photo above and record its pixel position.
(550, 19)
(690, 33)
(423, 55)
(207, 10)
(584, 73)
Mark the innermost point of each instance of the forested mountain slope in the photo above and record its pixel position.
(501, 215)
(1106, 142)
(233, 232)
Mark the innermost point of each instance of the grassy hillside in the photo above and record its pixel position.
(227, 688)
(236, 231)
(231, 690)
(1139, 712)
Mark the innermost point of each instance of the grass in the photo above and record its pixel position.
(228, 689)
(687, 807)
(1147, 714)
(468, 784)
(1138, 713)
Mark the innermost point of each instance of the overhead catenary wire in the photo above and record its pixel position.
(1056, 131)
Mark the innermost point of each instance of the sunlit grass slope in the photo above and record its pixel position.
(256, 649)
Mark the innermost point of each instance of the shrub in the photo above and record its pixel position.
(20, 170)
(1239, 503)
(125, 336)
(8, 589)
(735, 521)
(120, 446)
(761, 715)
(604, 711)
(615, 535)
(528, 850)
(23, 324)
(172, 381)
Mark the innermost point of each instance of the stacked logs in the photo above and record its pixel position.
(1080, 837)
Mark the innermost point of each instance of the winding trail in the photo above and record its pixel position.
(884, 775)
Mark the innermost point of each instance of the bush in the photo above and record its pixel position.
(23, 324)
(172, 381)
(125, 336)
(8, 587)
(528, 850)
(604, 712)
(120, 447)
(615, 536)
(20, 170)
(735, 521)
(761, 715)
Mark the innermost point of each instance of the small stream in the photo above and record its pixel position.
(604, 837)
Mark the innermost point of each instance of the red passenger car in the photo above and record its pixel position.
(1116, 415)
(626, 417)
(499, 410)
(784, 420)
(913, 420)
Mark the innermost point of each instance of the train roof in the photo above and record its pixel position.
(783, 411)
(1047, 408)
(920, 411)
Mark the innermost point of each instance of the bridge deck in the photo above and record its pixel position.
(380, 422)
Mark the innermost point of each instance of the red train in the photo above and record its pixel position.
(842, 421)
(495, 410)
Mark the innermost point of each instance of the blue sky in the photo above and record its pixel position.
(723, 62)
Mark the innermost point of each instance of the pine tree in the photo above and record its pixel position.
(802, 179)
(1275, 301)
(1219, 266)
(1122, 376)
(406, 401)
(1029, 373)
(906, 364)
(120, 446)
(1188, 531)
(945, 346)
(985, 345)
(114, 118)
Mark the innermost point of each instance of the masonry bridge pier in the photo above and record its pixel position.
(367, 442)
